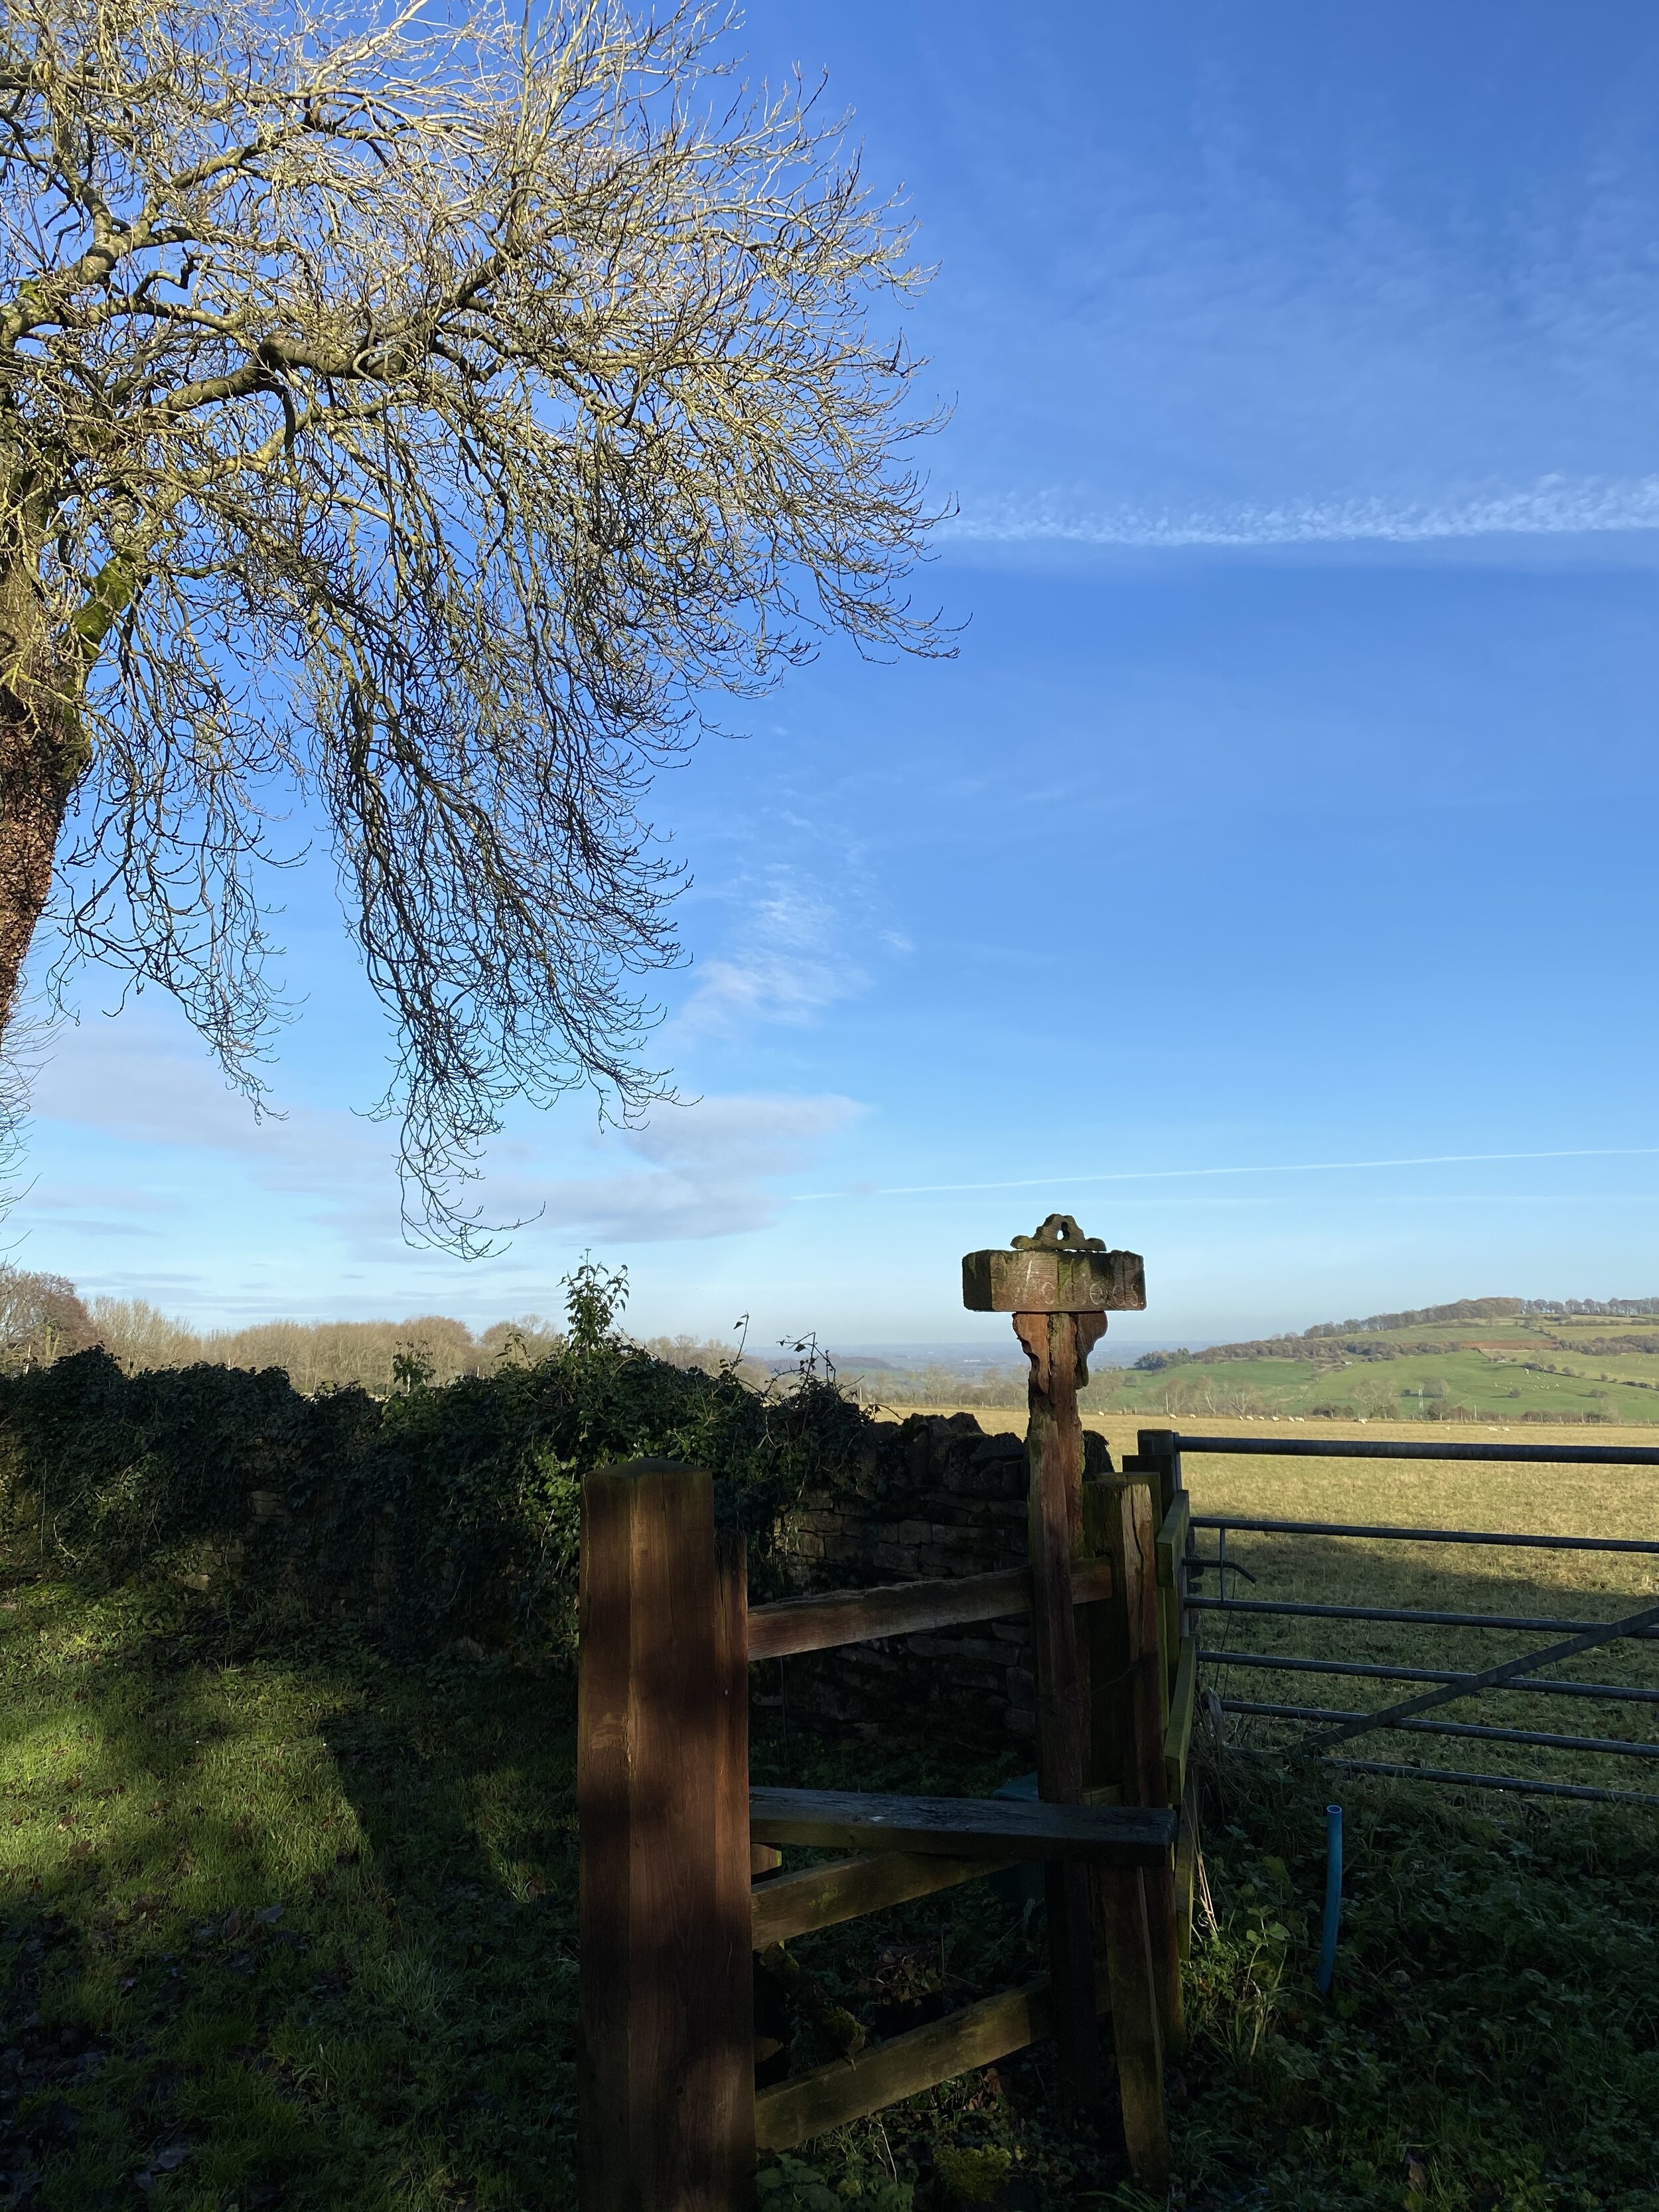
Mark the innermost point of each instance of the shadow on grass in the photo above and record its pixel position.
(279, 1931)
(296, 1929)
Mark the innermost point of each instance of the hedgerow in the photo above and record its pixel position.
(436, 1513)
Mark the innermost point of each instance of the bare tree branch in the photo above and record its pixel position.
(424, 416)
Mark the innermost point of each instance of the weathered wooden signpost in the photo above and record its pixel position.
(1058, 1286)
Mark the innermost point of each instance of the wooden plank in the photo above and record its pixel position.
(666, 1975)
(828, 2097)
(963, 1827)
(794, 1905)
(831, 1618)
(1104, 1643)
(1159, 1449)
(1056, 1345)
(728, 2012)
(1117, 1519)
(1178, 1731)
(1186, 1878)
(1145, 1781)
(1172, 1541)
(1120, 1903)
(823, 1896)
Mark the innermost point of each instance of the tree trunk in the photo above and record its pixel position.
(41, 761)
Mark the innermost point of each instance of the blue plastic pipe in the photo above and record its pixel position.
(1333, 1900)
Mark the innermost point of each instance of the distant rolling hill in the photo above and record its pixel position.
(1494, 1359)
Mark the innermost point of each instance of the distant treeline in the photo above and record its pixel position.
(1330, 1351)
(1485, 1309)
(43, 1319)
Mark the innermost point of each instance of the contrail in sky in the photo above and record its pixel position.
(1283, 1167)
(1554, 506)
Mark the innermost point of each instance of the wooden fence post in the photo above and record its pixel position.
(1145, 1777)
(1054, 1525)
(1159, 1455)
(1126, 1734)
(666, 2120)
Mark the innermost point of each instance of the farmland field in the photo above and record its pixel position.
(1574, 1367)
(1596, 1368)
(1529, 1500)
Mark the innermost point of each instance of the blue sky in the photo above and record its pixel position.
(1269, 879)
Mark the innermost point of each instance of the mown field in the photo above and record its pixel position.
(296, 1928)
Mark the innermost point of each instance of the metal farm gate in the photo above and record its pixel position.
(1204, 1589)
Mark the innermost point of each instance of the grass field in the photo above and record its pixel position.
(1551, 1500)
(296, 1930)
(1592, 1368)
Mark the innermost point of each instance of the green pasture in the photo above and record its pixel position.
(1414, 1385)
(1569, 1368)
(1559, 1500)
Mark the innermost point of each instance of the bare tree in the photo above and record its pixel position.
(41, 1318)
(429, 416)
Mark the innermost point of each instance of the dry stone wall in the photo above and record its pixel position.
(934, 1496)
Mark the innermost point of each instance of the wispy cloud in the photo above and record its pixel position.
(1554, 506)
(704, 1170)
(708, 1168)
(787, 963)
(145, 1079)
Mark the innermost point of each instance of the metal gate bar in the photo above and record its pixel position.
(1349, 1448)
(1522, 1784)
(1408, 1714)
(1596, 1743)
(1410, 1617)
(1424, 1536)
(1516, 1782)
(1284, 1664)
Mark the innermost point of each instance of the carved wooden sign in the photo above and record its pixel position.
(1056, 1270)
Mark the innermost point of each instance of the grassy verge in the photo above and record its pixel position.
(278, 1931)
(298, 1931)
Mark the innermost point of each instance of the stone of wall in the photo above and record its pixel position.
(935, 1496)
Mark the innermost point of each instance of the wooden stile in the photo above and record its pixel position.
(665, 2072)
(680, 1858)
